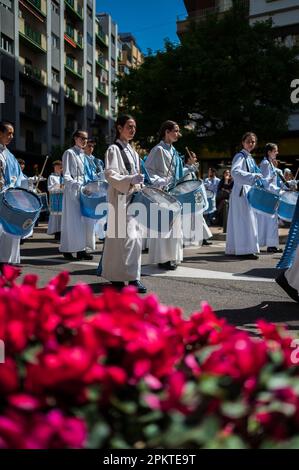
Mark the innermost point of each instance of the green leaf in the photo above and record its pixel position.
(97, 435)
(234, 410)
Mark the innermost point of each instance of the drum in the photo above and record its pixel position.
(156, 210)
(19, 210)
(211, 202)
(287, 205)
(191, 192)
(44, 201)
(91, 195)
(263, 201)
(55, 199)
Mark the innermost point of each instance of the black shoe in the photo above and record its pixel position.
(83, 255)
(253, 256)
(118, 285)
(68, 256)
(140, 287)
(283, 283)
(168, 266)
(273, 249)
(22, 241)
(206, 243)
(57, 236)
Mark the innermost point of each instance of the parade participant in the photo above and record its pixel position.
(11, 176)
(211, 183)
(242, 233)
(75, 236)
(268, 226)
(224, 190)
(289, 280)
(55, 186)
(164, 162)
(121, 259)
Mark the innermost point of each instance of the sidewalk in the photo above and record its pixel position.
(219, 235)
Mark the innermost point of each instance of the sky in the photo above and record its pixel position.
(150, 21)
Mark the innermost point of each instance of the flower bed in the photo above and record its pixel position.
(121, 371)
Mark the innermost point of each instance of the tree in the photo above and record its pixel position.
(228, 75)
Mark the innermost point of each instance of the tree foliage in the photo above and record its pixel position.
(231, 76)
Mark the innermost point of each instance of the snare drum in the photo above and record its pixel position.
(19, 210)
(263, 201)
(55, 199)
(44, 201)
(160, 209)
(191, 192)
(211, 199)
(91, 195)
(287, 205)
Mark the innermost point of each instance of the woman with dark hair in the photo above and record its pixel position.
(242, 233)
(224, 190)
(268, 226)
(77, 232)
(165, 164)
(121, 259)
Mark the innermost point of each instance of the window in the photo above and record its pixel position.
(55, 7)
(7, 4)
(55, 41)
(113, 39)
(55, 75)
(89, 12)
(55, 106)
(89, 39)
(6, 44)
(89, 67)
(112, 62)
(89, 96)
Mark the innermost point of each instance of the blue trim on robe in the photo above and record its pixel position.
(90, 169)
(12, 169)
(289, 253)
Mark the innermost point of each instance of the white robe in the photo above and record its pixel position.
(292, 274)
(54, 224)
(77, 232)
(268, 226)
(242, 234)
(162, 250)
(9, 244)
(122, 254)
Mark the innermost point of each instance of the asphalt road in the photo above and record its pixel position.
(240, 290)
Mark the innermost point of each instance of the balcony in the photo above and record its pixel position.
(102, 62)
(75, 8)
(101, 111)
(40, 6)
(38, 113)
(36, 73)
(102, 88)
(71, 65)
(101, 36)
(73, 95)
(73, 36)
(33, 37)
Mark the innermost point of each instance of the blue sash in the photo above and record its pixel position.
(289, 253)
(12, 169)
(90, 169)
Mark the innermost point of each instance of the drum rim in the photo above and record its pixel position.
(6, 203)
(169, 196)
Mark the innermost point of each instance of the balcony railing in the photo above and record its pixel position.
(102, 62)
(73, 66)
(40, 5)
(33, 72)
(35, 37)
(75, 7)
(101, 35)
(102, 88)
(73, 34)
(73, 95)
(101, 111)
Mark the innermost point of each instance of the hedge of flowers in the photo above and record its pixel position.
(121, 371)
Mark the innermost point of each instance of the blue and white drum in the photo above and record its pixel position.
(211, 197)
(44, 201)
(263, 201)
(287, 205)
(55, 199)
(19, 210)
(93, 199)
(155, 209)
(191, 192)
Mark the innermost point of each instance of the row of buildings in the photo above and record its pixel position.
(58, 62)
(285, 17)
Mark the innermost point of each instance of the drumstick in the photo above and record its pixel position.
(188, 151)
(41, 173)
(296, 173)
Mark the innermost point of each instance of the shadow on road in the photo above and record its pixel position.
(276, 312)
(267, 273)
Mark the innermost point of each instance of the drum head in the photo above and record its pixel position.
(290, 197)
(21, 199)
(186, 187)
(95, 189)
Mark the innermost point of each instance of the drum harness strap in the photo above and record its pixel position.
(124, 157)
(247, 168)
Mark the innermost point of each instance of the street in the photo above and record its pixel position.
(242, 291)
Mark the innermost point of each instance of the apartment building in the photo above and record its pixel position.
(56, 63)
(131, 55)
(285, 17)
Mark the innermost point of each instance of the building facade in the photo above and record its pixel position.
(57, 64)
(131, 55)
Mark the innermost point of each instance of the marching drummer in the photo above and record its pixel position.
(55, 188)
(165, 165)
(76, 234)
(268, 226)
(242, 231)
(121, 260)
(10, 176)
